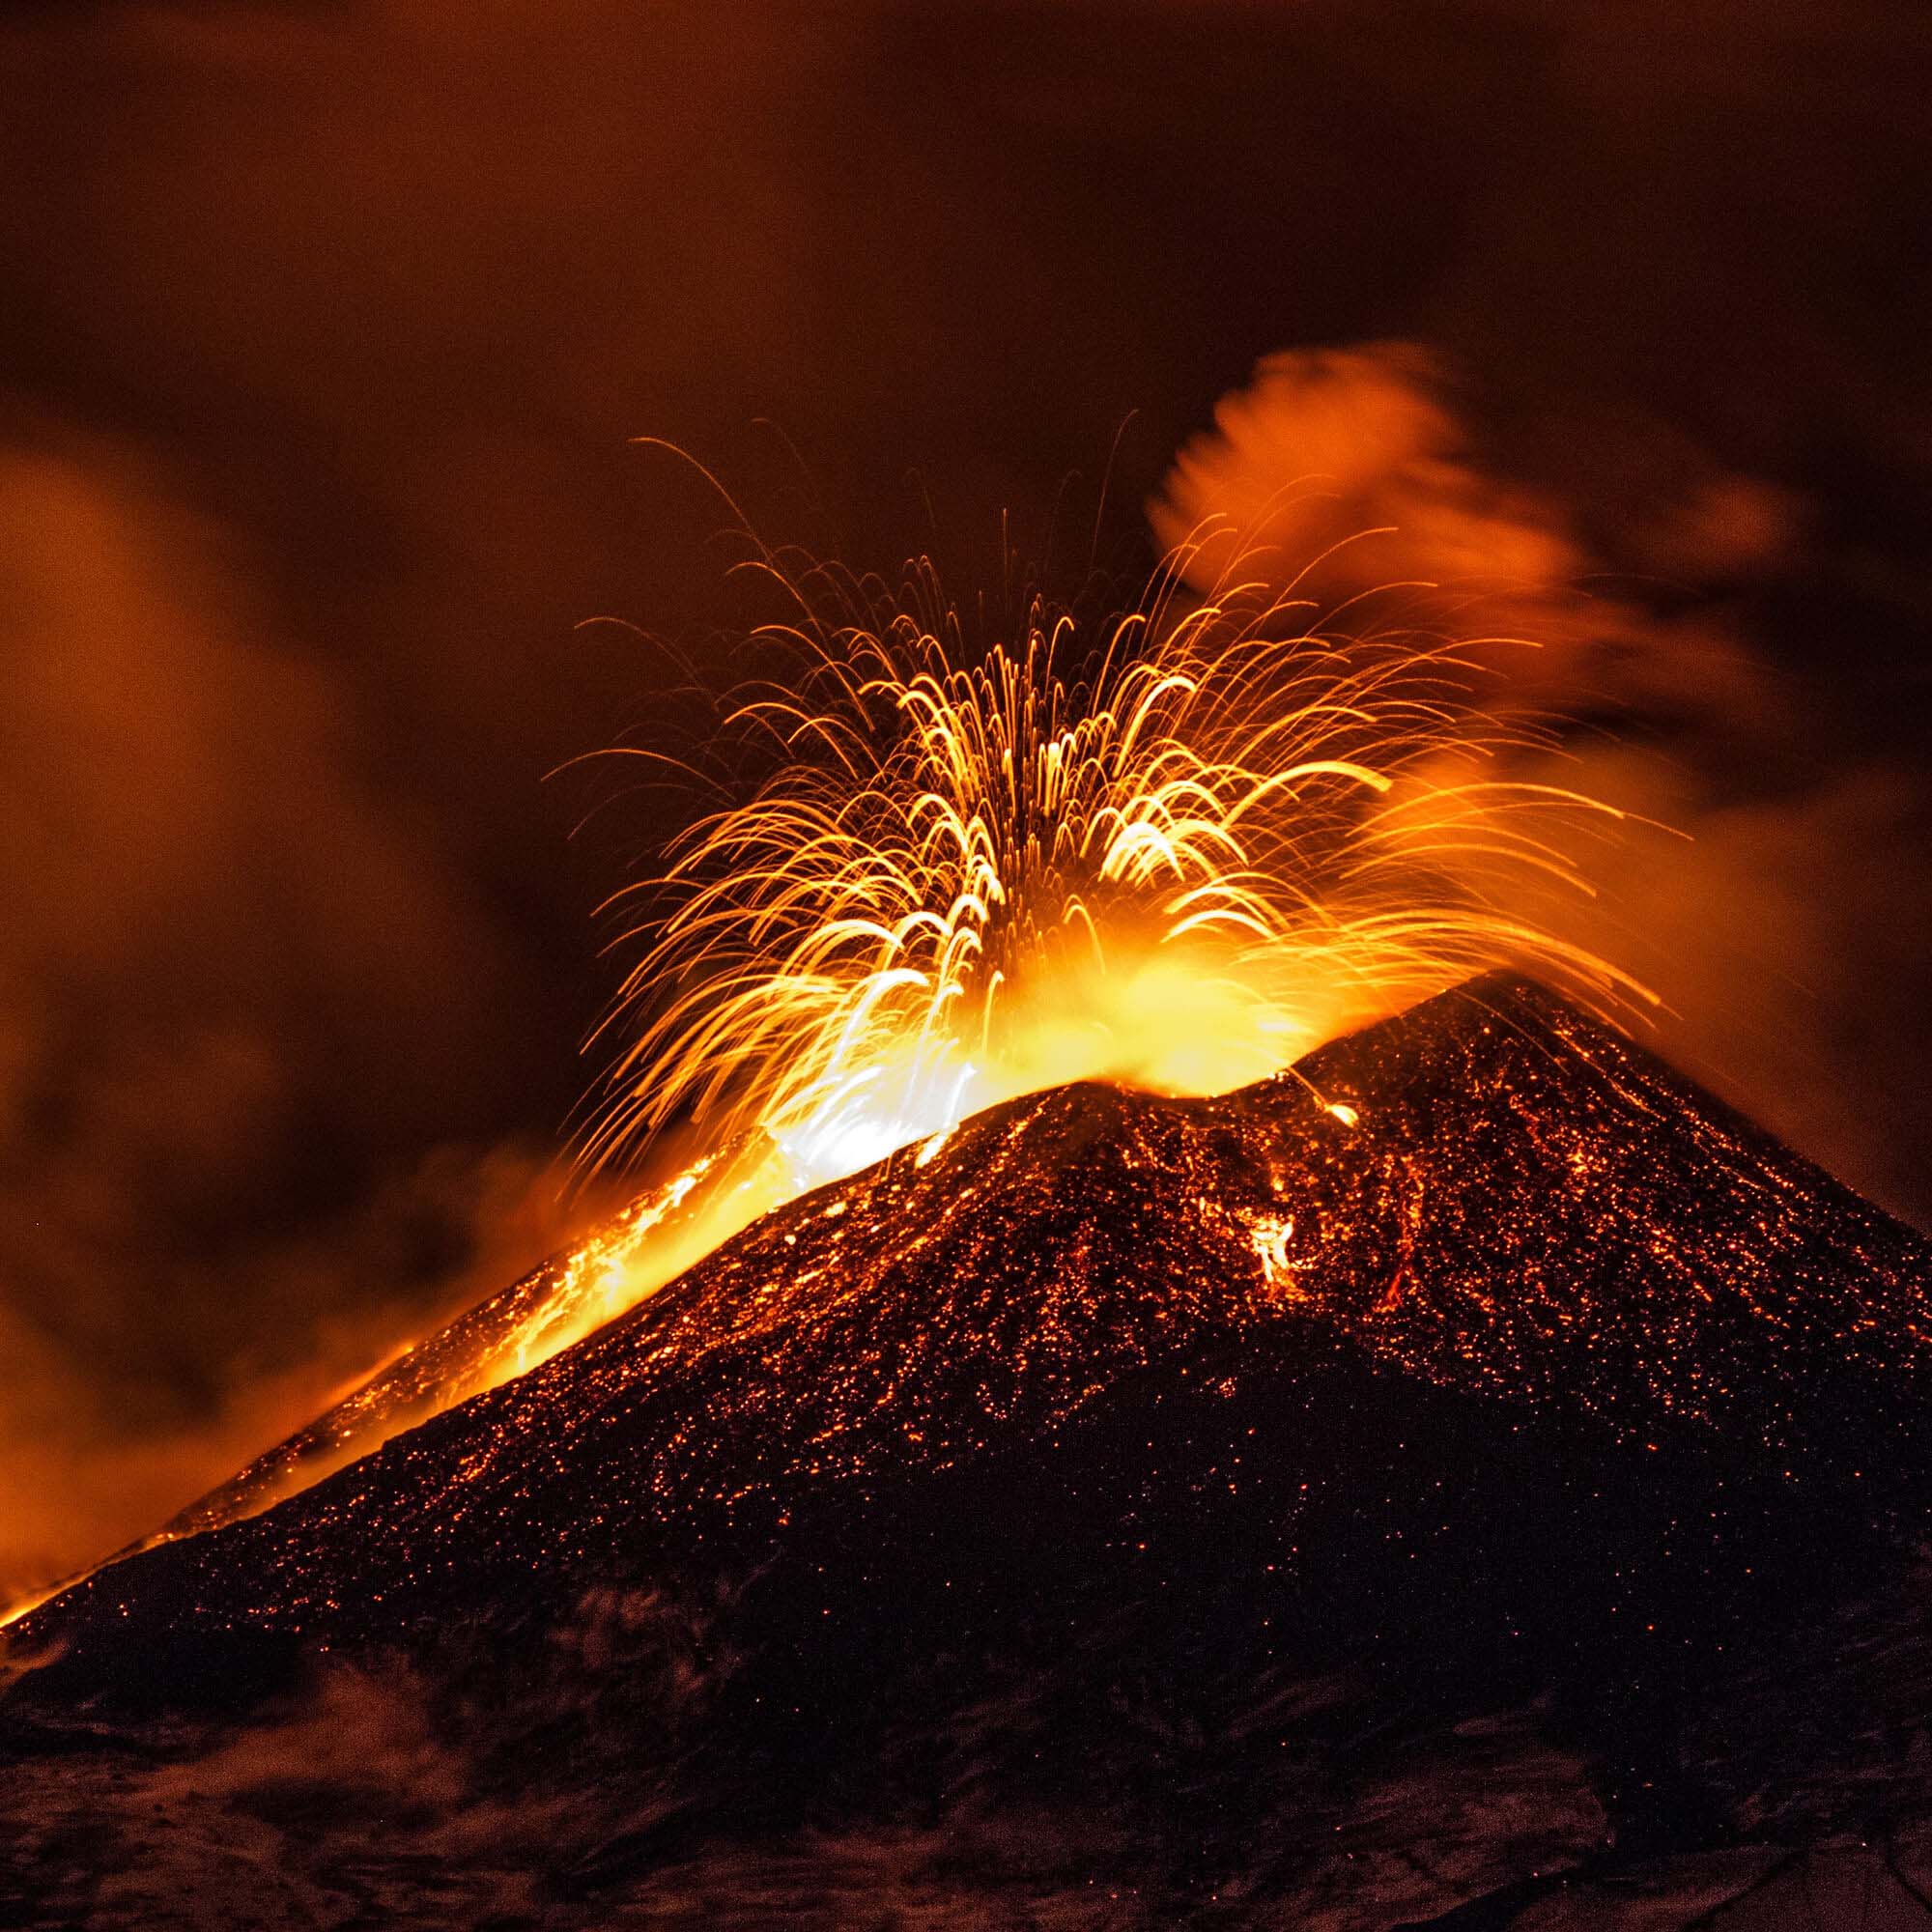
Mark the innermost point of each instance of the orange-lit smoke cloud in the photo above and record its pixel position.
(1782, 929)
(213, 934)
(1327, 445)
(1358, 466)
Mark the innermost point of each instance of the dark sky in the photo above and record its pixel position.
(326, 330)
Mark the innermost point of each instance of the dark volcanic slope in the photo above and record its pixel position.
(1526, 1208)
(1189, 1471)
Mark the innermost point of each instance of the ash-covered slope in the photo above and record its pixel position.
(1523, 1207)
(1480, 1396)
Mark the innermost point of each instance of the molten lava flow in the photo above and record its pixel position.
(11, 1611)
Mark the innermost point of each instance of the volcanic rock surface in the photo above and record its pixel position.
(1474, 1478)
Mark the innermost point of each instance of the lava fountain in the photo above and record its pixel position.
(1176, 851)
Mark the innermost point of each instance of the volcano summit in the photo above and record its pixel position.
(1472, 1478)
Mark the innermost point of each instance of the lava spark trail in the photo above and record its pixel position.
(1177, 853)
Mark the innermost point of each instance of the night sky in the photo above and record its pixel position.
(326, 335)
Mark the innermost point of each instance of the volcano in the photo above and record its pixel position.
(1474, 1478)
